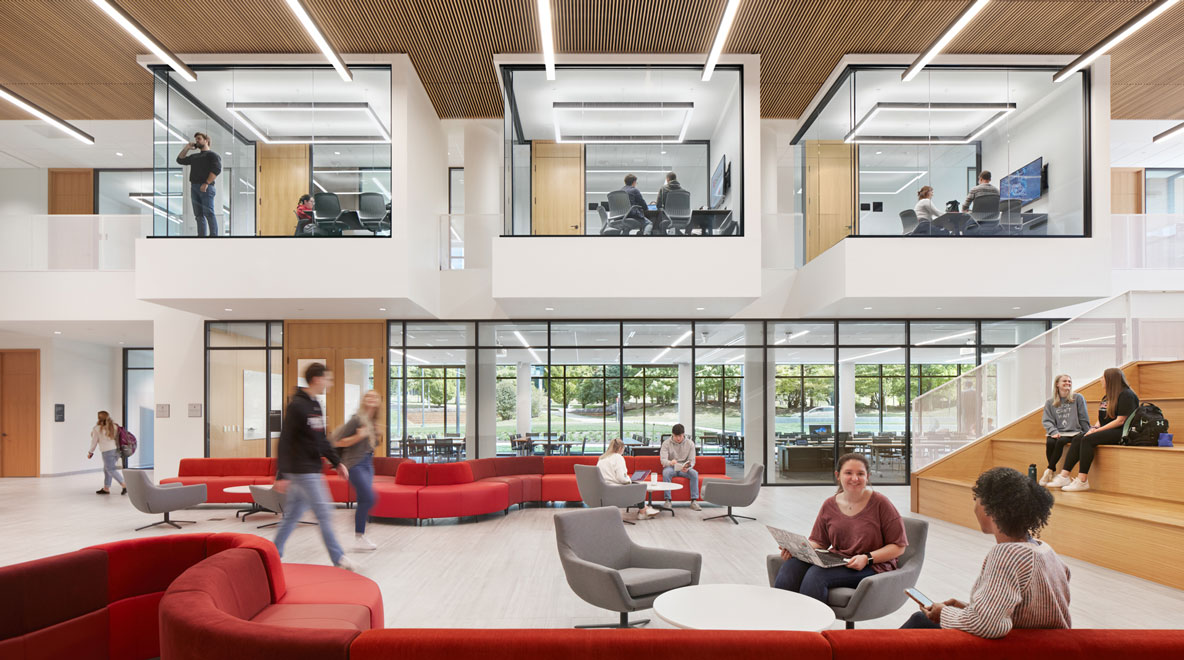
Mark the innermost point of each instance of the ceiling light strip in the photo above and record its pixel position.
(1130, 27)
(852, 137)
(1172, 132)
(318, 36)
(547, 36)
(944, 40)
(133, 28)
(721, 38)
(44, 115)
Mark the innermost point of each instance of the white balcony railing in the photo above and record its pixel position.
(71, 242)
(1152, 240)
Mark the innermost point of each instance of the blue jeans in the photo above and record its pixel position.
(669, 473)
(304, 491)
(203, 208)
(920, 620)
(361, 477)
(815, 581)
(111, 468)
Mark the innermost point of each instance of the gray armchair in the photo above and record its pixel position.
(595, 491)
(166, 498)
(268, 498)
(881, 594)
(605, 568)
(735, 493)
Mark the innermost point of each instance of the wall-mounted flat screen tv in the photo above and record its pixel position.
(1024, 183)
(719, 183)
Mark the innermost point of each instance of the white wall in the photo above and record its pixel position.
(24, 192)
(179, 365)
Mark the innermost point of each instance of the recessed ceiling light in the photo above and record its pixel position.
(119, 153)
(549, 309)
(121, 343)
(227, 309)
(867, 308)
(336, 153)
(699, 309)
(228, 153)
(57, 332)
(663, 153)
(879, 152)
(382, 309)
(939, 309)
(1015, 307)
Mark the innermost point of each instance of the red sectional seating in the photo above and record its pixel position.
(407, 489)
(102, 601)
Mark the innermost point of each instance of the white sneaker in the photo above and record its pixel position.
(1046, 477)
(363, 544)
(643, 515)
(695, 506)
(1060, 481)
(348, 565)
(1077, 485)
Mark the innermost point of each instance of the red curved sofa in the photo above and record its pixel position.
(423, 491)
(102, 602)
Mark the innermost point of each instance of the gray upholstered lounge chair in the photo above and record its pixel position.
(595, 491)
(150, 498)
(883, 593)
(607, 569)
(268, 498)
(735, 493)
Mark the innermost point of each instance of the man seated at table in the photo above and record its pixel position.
(678, 460)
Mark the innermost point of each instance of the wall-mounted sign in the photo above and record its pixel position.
(59, 412)
(162, 411)
(195, 410)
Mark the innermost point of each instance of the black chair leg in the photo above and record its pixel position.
(166, 521)
(850, 625)
(624, 623)
(730, 516)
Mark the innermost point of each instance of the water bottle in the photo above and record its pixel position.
(1032, 472)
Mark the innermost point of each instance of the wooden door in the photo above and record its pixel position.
(830, 194)
(20, 403)
(1126, 190)
(557, 189)
(282, 177)
(71, 191)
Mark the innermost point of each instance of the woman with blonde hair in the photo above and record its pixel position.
(1065, 418)
(357, 440)
(105, 436)
(1119, 403)
(612, 469)
(925, 209)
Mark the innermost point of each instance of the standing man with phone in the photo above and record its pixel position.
(204, 167)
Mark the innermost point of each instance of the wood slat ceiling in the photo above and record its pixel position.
(67, 56)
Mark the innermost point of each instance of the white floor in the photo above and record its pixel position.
(503, 571)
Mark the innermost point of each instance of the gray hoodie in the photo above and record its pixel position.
(1069, 418)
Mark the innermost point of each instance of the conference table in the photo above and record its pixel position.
(742, 607)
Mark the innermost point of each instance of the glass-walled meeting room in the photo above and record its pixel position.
(280, 132)
(956, 151)
(792, 394)
(623, 151)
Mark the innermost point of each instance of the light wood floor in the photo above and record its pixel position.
(503, 571)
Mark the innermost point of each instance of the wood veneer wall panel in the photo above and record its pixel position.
(71, 191)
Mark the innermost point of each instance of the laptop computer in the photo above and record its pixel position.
(640, 475)
(799, 546)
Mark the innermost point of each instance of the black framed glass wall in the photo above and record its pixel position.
(139, 405)
(431, 390)
(244, 388)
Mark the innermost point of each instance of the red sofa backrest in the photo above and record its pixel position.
(411, 473)
(447, 474)
(235, 580)
(55, 607)
(511, 465)
(566, 464)
(483, 468)
(703, 464)
(387, 466)
(226, 467)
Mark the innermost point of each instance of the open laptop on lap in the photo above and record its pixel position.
(799, 546)
(640, 475)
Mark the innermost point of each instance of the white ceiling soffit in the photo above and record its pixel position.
(936, 123)
(1131, 145)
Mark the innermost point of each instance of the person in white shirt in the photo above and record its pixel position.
(612, 470)
(925, 209)
(105, 436)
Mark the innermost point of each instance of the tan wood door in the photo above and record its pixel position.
(830, 194)
(20, 403)
(71, 191)
(557, 189)
(282, 177)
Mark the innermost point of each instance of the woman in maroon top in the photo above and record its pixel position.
(856, 523)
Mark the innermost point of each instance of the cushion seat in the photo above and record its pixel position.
(215, 486)
(396, 500)
(334, 617)
(471, 499)
(560, 488)
(513, 485)
(309, 584)
(645, 581)
(839, 596)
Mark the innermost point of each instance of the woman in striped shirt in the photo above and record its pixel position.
(1023, 583)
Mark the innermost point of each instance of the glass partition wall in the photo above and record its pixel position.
(878, 146)
(572, 141)
(286, 130)
(793, 395)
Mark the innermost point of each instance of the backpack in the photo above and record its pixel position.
(127, 442)
(1144, 426)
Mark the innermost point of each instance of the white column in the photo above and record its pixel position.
(524, 393)
(846, 396)
(483, 164)
(685, 396)
(178, 342)
(752, 393)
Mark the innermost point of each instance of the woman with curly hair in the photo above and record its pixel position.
(1023, 583)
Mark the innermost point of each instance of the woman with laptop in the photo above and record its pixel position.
(612, 469)
(858, 525)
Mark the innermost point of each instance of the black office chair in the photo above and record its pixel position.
(372, 210)
(1009, 211)
(619, 209)
(984, 211)
(326, 213)
(908, 222)
(677, 210)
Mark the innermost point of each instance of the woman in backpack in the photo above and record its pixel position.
(1065, 418)
(1119, 403)
(356, 441)
(105, 436)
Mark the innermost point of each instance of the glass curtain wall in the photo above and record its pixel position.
(139, 404)
(244, 388)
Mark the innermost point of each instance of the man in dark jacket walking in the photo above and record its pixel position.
(302, 444)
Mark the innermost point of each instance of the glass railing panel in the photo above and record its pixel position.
(71, 242)
(1153, 240)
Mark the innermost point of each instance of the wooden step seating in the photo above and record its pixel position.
(1135, 508)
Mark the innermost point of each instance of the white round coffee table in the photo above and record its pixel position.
(246, 490)
(741, 607)
(663, 486)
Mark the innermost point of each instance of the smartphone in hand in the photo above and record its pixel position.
(920, 598)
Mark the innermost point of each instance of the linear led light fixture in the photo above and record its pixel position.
(133, 28)
(409, 357)
(239, 110)
(318, 36)
(667, 349)
(867, 355)
(627, 106)
(547, 36)
(318, 185)
(944, 40)
(171, 131)
(145, 199)
(246, 183)
(1175, 131)
(1002, 109)
(38, 112)
(380, 186)
(941, 339)
(792, 337)
(902, 188)
(721, 38)
(1130, 27)
(527, 346)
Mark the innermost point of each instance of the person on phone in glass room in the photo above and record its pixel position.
(204, 167)
(857, 523)
(1023, 583)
